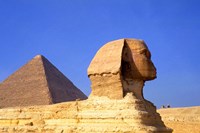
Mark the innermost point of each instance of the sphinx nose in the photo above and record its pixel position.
(153, 67)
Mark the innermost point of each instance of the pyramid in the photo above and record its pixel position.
(37, 83)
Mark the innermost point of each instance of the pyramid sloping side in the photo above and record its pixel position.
(27, 86)
(61, 88)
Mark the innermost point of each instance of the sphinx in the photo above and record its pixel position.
(118, 72)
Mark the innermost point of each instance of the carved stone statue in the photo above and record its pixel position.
(119, 71)
(120, 67)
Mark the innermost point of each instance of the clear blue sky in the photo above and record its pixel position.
(69, 32)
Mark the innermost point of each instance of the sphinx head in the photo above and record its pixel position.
(120, 67)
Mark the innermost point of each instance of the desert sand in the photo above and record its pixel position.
(182, 120)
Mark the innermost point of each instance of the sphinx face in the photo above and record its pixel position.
(143, 65)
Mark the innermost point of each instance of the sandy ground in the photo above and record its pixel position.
(182, 120)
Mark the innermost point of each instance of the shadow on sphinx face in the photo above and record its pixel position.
(136, 61)
(136, 67)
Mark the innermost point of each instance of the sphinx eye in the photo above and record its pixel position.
(146, 53)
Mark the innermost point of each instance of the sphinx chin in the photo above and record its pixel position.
(149, 78)
(148, 75)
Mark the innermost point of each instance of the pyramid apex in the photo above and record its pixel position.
(38, 56)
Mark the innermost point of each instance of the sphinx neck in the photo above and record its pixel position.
(134, 86)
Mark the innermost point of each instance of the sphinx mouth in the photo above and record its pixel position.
(155, 72)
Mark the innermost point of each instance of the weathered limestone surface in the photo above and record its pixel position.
(104, 70)
(37, 83)
(97, 114)
(182, 120)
